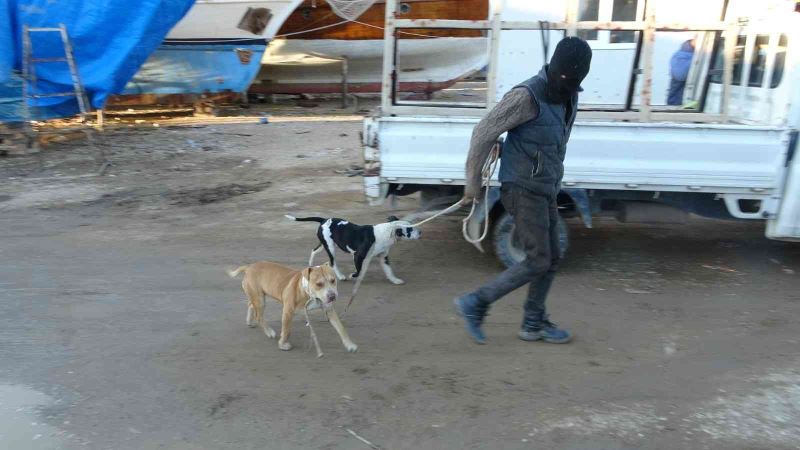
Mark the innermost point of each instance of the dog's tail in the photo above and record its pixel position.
(306, 219)
(235, 273)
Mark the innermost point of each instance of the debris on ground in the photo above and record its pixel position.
(203, 196)
(352, 171)
(720, 268)
(637, 291)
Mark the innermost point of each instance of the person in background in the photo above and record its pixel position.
(679, 66)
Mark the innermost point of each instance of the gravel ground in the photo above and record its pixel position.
(120, 330)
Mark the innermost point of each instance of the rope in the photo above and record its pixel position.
(311, 30)
(314, 339)
(408, 33)
(487, 172)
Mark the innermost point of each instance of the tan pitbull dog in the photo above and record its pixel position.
(293, 289)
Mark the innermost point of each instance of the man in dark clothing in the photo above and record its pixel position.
(538, 115)
(679, 66)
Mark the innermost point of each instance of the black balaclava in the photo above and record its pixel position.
(568, 66)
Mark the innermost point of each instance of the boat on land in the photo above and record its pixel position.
(216, 47)
(306, 55)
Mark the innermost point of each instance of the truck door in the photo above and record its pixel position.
(785, 224)
(765, 92)
(761, 88)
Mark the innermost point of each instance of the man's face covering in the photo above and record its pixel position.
(568, 67)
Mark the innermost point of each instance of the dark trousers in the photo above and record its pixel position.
(536, 231)
(675, 93)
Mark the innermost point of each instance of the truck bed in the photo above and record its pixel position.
(726, 159)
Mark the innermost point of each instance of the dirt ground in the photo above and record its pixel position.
(119, 328)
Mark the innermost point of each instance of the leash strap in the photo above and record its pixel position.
(489, 167)
(487, 172)
(311, 328)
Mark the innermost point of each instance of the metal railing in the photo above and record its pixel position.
(495, 25)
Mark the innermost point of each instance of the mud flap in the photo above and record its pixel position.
(785, 225)
(582, 204)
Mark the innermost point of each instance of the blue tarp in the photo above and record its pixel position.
(110, 38)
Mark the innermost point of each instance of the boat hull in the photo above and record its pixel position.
(207, 52)
(313, 66)
(308, 59)
(314, 19)
(183, 67)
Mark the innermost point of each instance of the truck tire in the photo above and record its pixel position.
(506, 250)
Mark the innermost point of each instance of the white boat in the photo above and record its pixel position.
(304, 58)
(426, 65)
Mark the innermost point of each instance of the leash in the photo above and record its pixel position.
(310, 328)
(487, 172)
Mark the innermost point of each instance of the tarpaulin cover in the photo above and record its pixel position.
(110, 40)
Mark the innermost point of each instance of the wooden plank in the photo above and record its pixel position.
(649, 37)
(494, 59)
(572, 17)
(443, 23)
(388, 56)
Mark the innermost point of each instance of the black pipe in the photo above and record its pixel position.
(395, 80)
(634, 72)
(713, 60)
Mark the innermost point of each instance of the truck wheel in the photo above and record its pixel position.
(508, 252)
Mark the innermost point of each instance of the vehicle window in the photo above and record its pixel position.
(758, 61)
(588, 10)
(780, 62)
(623, 10)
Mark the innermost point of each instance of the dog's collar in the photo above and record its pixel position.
(313, 303)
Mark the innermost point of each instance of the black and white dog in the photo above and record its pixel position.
(362, 241)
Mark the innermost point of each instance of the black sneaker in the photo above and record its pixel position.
(465, 307)
(545, 331)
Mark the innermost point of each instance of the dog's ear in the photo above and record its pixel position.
(327, 270)
(305, 278)
(392, 218)
(399, 232)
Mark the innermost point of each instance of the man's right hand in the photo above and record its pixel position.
(467, 200)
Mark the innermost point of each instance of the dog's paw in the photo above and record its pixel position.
(270, 333)
(285, 346)
(252, 325)
(351, 347)
(396, 281)
(352, 276)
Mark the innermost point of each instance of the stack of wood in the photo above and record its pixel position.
(15, 141)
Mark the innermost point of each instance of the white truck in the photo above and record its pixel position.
(729, 152)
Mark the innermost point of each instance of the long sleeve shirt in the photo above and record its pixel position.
(515, 108)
